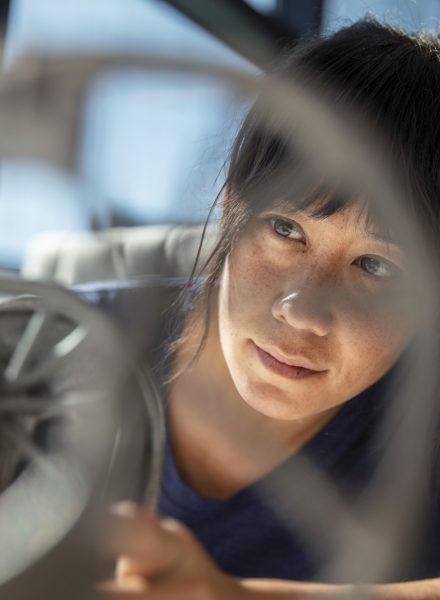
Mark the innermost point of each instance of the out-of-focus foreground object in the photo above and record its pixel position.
(81, 426)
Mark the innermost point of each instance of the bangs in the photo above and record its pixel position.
(319, 203)
(268, 172)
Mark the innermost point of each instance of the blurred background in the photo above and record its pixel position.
(153, 147)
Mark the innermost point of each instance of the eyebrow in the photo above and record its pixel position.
(381, 237)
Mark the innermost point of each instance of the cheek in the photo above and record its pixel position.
(371, 337)
(247, 285)
(245, 300)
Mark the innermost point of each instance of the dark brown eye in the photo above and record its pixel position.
(287, 229)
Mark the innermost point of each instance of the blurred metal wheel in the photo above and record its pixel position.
(80, 425)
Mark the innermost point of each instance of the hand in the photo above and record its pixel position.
(160, 559)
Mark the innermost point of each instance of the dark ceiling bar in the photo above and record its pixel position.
(256, 37)
(4, 15)
(302, 15)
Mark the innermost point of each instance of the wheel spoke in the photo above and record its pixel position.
(69, 343)
(26, 346)
(54, 359)
(26, 366)
(23, 446)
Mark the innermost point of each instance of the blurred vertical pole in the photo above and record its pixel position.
(4, 15)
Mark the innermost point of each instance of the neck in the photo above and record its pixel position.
(221, 444)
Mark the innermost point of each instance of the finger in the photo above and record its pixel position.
(133, 587)
(150, 546)
(117, 595)
(115, 592)
(126, 567)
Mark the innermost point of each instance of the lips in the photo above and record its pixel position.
(292, 361)
(293, 367)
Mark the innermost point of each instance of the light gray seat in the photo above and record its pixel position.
(119, 253)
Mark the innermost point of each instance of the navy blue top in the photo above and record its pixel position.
(258, 532)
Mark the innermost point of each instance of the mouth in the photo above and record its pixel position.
(296, 367)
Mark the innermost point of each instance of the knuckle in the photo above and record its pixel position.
(177, 528)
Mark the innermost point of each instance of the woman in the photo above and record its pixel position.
(301, 337)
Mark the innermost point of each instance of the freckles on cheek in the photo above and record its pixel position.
(380, 314)
(250, 275)
(373, 342)
(372, 332)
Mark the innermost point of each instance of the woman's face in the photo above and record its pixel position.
(311, 311)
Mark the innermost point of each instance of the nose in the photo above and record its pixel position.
(305, 309)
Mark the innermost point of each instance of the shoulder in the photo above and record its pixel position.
(141, 306)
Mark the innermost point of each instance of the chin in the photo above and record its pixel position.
(273, 402)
